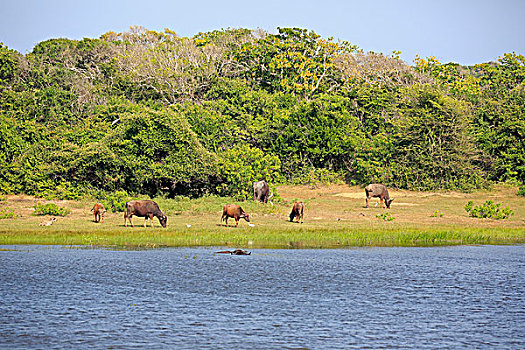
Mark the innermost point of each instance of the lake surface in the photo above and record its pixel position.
(190, 298)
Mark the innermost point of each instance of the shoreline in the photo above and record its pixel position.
(260, 239)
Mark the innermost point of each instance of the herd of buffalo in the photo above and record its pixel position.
(261, 192)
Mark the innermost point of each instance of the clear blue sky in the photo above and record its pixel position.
(462, 31)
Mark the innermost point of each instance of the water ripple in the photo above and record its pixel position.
(410, 298)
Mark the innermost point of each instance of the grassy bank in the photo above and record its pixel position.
(335, 217)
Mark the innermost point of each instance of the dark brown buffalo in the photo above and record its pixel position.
(146, 209)
(235, 252)
(297, 212)
(378, 190)
(98, 211)
(234, 211)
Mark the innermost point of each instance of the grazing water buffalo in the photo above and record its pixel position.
(378, 190)
(261, 191)
(297, 211)
(234, 211)
(99, 211)
(146, 209)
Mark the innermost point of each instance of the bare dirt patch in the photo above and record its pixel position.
(401, 194)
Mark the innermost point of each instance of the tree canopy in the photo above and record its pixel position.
(155, 113)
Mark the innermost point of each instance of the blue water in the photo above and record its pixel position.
(190, 298)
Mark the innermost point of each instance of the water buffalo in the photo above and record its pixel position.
(98, 211)
(297, 211)
(261, 191)
(235, 252)
(378, 190)
(234, 211)
(146, 209)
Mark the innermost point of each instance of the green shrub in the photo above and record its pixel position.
(521, 191)
(489, 209)
(50, 209)
(437, 214)
(243, 165)
(385, 217)
(6, 213)
(115, 201)
(64, 190)
(314, 176)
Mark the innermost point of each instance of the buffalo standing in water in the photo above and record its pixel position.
(235, 252)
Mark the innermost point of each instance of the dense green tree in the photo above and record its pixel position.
(9, 65)
(433, 145)
(155, 113)
(295, 61)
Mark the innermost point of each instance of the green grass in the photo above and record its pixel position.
(262, 238)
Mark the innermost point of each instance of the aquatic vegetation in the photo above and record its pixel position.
(263, 238)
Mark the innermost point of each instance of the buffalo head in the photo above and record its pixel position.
(162, 219)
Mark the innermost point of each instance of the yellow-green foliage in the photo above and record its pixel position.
(6, 213)
(152, 113)
(50, 209)
(489, 209)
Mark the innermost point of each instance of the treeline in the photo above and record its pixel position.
(158, 114)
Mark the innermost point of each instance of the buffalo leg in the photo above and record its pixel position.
(381, 202)
(128, 218)
(151, 218)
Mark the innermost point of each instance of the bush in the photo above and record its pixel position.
(64, 190)
(115, 201)
(489, 209)
(6, 213)
(243, 165)
(385, 217)
(521, 191)
(437, 214)
(50, 209)
(314, 176)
